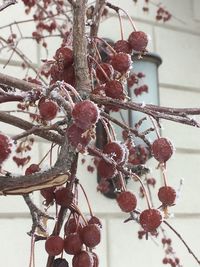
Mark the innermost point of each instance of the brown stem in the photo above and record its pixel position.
(17, 83)
(25, 125)
(183, 241)
(7, 4)
(147, 109)
(63, 210)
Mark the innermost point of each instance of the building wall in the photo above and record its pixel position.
(177, 42)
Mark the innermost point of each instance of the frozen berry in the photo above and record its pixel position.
(5, 147)
(85, 114)
(115, 150)
(54, 245)
(108, 69)
(106, 170)
(138, 41)
(48, 110)
(64, 57)
(167, 195)
(114, 89)
(127, 201)
(83, 259)
(72, 244)
(63, 196)
(48, 194)
(95, 220)
(71, 226)
(150, 220)
(91, 235)
(32, 169)
(123, 46)
(162, 149)
(121, 62)
(77, 136)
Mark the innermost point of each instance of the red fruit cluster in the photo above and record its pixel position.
(48, 110)
(127, 201)
(150, 220)
(5, 147)
(162, 149)
(85, 114)
(167, 195)
(78, 235)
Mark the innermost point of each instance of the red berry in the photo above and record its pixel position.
(48, 194)
(121, 62)
(150, 219)
(83, 259)
(95, 220)
(32, 169)
(48, 110)
(63, 196)
(71, 226)
(167, 195)
(138, 41)
(114, 89)
(123, 46)
(73, 244)
(115, 150)
(108, 69)
(162, 149)
(91, 235)
(106, 170)
(64, 57)
(77, 136)
(5, 147)
(85, 114)
(127, 201)
(54, 245)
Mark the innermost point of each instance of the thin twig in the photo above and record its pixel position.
(7, 4)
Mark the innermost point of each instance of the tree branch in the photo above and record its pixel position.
(80, 48)
(7, 4)
(25, 125)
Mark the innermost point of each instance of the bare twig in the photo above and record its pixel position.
(183, 241)
(7, 4)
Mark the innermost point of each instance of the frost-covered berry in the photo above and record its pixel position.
(167, 195)
(5, 147)
(127, 201)
(85, 114)
(162, 149)
(138, 41)
(48, 110)
(121, 62)
(150, 219)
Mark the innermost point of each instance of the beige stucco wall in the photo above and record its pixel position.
(177, 42)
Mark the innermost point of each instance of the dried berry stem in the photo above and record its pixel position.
(183, 241)
(116, 8)
(88, 203)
